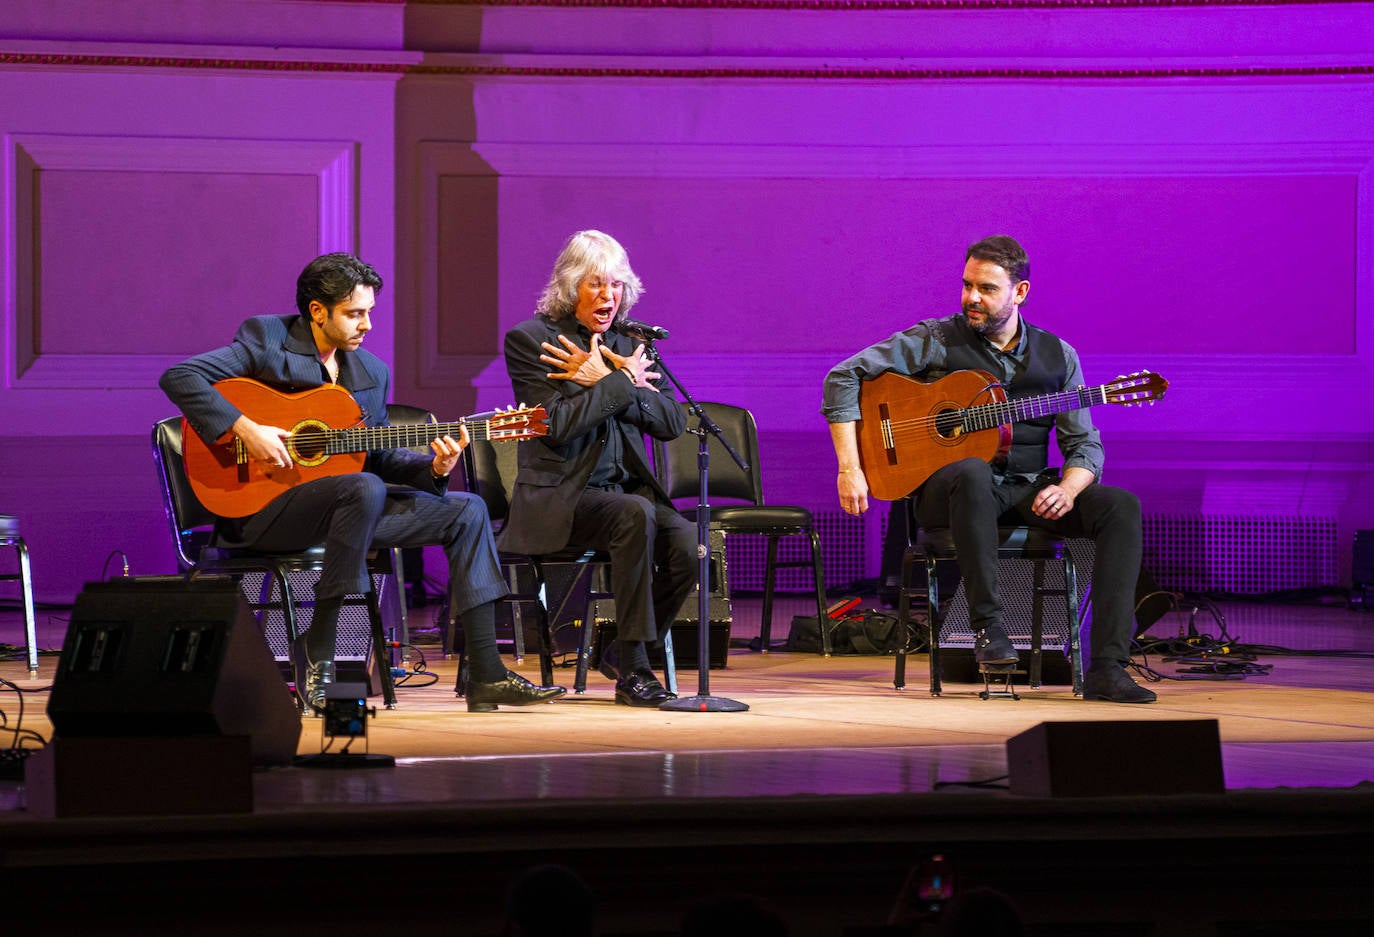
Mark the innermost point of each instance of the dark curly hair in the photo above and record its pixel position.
(331, 278)
(1005, 252)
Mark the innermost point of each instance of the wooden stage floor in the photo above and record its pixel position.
(829, 765)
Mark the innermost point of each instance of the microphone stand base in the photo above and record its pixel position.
(704, 704)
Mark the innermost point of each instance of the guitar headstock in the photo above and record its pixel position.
(518, 423)
(1135, 388)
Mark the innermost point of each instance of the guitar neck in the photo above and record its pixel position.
(402, 436)
(990, 415)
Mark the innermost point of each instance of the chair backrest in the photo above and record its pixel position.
(676, 460)
(490, 469)
(191, 524)
(401, 413)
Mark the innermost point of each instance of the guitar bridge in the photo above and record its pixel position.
(885, 429)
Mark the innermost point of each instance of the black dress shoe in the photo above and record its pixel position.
(510, 690)
(992, 646)
(1112, 684)
(640, 688)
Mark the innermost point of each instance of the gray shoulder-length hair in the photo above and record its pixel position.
(588, 253)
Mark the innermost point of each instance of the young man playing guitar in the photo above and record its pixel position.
(1010, 484)
(354, 512)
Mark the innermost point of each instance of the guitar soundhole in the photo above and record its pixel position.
(309, 442)
(949, 424)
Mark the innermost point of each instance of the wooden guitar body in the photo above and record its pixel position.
(231, 485)
(908, 429)
(328, 437)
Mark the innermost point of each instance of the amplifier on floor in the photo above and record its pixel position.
(1106, 759)
(166, 657)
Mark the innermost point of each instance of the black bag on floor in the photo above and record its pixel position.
(869, 632)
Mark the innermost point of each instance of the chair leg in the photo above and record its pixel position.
(398, 573)
(818, 572)
(903, 620)
(933, 626)
(770, 572)
(379, 650)
(1075, 621)
(591, 633)
(30, 620)
(545, 649)
(670, 663)
(545, 625)
(517, 623)
(1038, 594)
(288, 604)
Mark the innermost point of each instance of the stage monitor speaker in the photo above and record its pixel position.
(1105, 759)
(167, 657)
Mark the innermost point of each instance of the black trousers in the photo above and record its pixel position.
(965, 498)
(354, 513)
(653, 553)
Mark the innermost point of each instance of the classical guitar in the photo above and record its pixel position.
(908, 429)
(328, 437)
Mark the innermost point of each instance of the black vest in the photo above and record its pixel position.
(1041, 370)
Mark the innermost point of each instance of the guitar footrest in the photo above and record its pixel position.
(997, 681)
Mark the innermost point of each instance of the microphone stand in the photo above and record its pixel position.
(703, 702)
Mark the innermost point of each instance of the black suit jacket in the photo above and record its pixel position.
(554, 469)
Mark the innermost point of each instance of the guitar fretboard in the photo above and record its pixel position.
(403, 436)
(990, 415)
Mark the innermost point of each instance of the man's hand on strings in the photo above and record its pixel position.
(264, 443)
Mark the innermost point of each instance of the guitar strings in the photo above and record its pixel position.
(991, 415)
(409, 434)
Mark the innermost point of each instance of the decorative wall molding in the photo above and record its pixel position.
(737, 71)
(687, 160)
(332, 162)
(434, 368)
(871, 6)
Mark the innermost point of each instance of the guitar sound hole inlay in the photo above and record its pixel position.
(308, 442)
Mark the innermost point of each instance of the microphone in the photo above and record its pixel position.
(641, 330)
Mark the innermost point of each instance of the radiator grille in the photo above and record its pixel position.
(842, 551)
(1016, 580)
(1240, 554)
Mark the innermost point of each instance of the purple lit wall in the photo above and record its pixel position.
(1192, 182)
